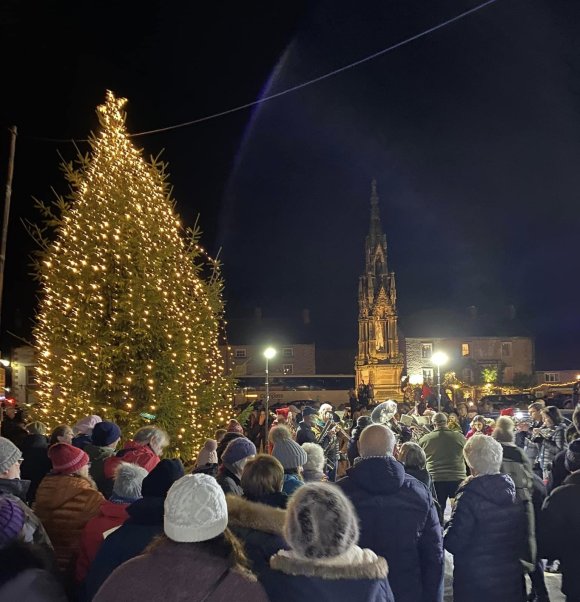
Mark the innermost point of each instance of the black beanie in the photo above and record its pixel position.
(160, 479)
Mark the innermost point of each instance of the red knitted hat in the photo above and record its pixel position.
(282, 412)
(66, 458)
(507, 412)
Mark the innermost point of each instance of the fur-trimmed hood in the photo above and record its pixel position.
(359, 564)
(253, 515)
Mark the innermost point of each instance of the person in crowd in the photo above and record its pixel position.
(444, 450)
(463, 417)
(13, 425)
(551, 439)
(324, 562)
(144, 450)
(234, 427)
(313, 469)
(524, 437)
(112, 513)
(104, 440)
(257, 518)
(66, 500)
(234, 458)
(226, 440)
(219, 435)
(26, 570)
(378, 486)
(479, 425)
(291, 456)
(559, 533)
(305, 434)
(352, 451)
(453, 422)
(35, 462)
(573, 429)
(83, 430)
(564, 464)
(145, 522)
(207, 460)
(196, 559)
(413, 458)
(63, 433)
(487, 531)
(16, 489)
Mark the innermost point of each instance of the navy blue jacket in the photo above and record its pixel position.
(487, 535)
(399, 521)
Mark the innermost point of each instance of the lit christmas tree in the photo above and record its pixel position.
(130, 306)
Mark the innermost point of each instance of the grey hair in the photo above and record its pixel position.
(154, 436)
(439, 419)
(483, 454)
(412, 455)
(315, 456)
(504, 430)
(128, 480)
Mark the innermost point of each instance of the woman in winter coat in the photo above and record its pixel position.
(257, 518)
(413, 458)
(66, 500)
(291, 456)
(487, 531)
(551, 438)
(479, 425)
(324, 563)
(197, 559)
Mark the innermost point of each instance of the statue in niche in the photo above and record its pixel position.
(379, 338)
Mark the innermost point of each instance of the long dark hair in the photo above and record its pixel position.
(59, 431)
(554, 413)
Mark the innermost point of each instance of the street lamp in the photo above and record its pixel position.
(439, 358)
(269, 353)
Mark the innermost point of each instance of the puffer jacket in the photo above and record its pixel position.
(110, 515)
(133, 453)
(487, 536)
(65, 504)
(411, 542)
(292, 482)
(98, 455)
(552, 440)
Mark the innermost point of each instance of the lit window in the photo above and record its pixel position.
(427, 374)
(31, 376)
(287, 352)
(464, 349)
(551, 377)
(506, 349)
(240, 353)
(288, 368)
(426, 350)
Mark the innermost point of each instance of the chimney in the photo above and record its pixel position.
(306, 316)
(472, 311)
(258, 314)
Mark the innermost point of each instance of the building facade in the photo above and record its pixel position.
(556, 377)
(248, 360)
(379, 362)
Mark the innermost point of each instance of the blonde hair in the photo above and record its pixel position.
(263, 474)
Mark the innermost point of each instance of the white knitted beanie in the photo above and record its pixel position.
(195, 509)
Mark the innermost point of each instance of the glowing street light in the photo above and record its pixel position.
(439, 358)
(269, 353)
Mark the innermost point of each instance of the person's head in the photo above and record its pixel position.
(462, 410)
(535, 410)
(12, 519)
(439, 420)
(159, 480)
(237, 453)
(106, 434)
(219, 434)
(576, 419)
(308, 415)
(320, 522)
(363, 421)
(483, 455)
(263, 475)
(314, 457)
(282, 415)
(153, 436)
(68, 460)
(376, 440)
(207, 454)
(10, 458)
(551, 416)
(478, 423)
(504, 430)
(286, 450)
(572, 458)
(234, 427)
(61, 434)
(325, 412)
(412, 455)
(10, 411)
(128, 482)
(36, 428)
(86, 425)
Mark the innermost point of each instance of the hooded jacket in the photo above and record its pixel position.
(559, 532)
(133, 453)
(98, 455)
(178, 571)
(487, 536)
(399, 521)
(65, 504)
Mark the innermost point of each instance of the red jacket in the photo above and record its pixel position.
(487, 430)
(133, 453)
(111, 515)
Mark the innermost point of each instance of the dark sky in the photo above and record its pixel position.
(473, 134)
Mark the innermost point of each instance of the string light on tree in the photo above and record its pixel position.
(127, 322)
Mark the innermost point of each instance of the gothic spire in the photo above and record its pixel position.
(375, 229)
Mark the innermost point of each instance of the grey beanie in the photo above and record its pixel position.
(289, 453)
(128, 481)
(9, 454)
(320, 521)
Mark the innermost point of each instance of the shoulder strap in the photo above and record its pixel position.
(214, 587)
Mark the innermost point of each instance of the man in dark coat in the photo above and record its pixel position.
(559, 532)
(305, 434)
(398, 518)
(565, 463)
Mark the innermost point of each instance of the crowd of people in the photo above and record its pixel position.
(88, 512)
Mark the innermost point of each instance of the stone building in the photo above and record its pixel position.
(379, 361)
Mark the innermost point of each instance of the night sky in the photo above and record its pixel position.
(473, 134)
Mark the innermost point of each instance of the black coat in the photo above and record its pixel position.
(399, 521)
(35, 463)
(559, 471)
(305, 434)
(559, 532)
(487, 535)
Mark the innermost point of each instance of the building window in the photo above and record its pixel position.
(427, 374)
(506, 349)
(31, 376)
(240, 353)
(468, 375)
(288, 368)
(426, 350)
(287, 352)
(464, 349)
(551, 377)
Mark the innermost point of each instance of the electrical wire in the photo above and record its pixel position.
(300, 86)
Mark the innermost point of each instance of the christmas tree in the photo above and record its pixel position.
(131, 305)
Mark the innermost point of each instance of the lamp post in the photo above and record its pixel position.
(269, 353)
(439, 358)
